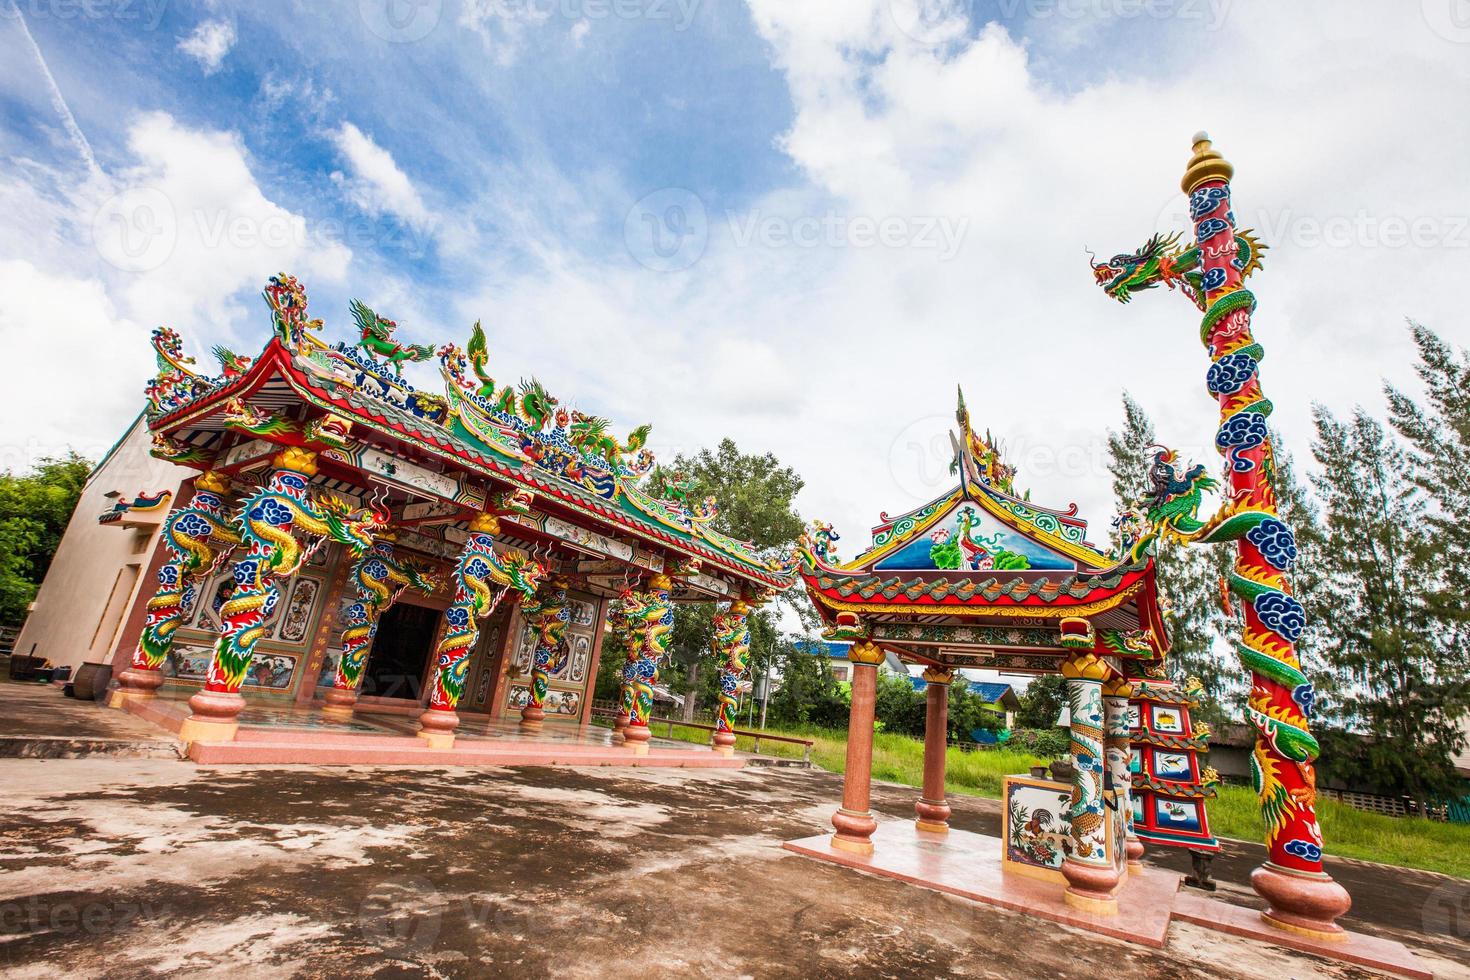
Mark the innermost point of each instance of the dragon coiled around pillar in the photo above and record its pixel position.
(198, 539)
(269, 522)
(731, 645)
(379, 578)
(481, 577)
(548, 615)
(1212, 273)
(650, 619)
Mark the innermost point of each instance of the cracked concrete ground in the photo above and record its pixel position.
(125, 868)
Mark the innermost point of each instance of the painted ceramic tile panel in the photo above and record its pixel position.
(970, 539)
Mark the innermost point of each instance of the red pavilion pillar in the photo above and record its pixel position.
(853, 820)
(932, 810)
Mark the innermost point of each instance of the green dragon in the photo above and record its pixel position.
(589, 434)
(1158, 261)
(377, 339)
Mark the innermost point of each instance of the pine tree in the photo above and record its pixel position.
(1188, 577)
(1402, 679)
(1439, 443)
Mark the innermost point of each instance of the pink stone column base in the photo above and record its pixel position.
(215, 717)
(436, 726)
(723, 743)
(340, 701)
(1090, 887)
(1308, 905)
(636, 737)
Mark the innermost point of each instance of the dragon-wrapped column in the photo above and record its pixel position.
(1118, 750)
(270, 521)
(651, 616)
(198, 539)
(1092, 877)
(731, 645)
(548, 615)
(481, 578)
(1301, 896)
(380, 579)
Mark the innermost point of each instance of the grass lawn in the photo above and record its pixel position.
(1403, 841)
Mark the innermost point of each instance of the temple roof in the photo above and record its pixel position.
(458, 448)
(984, 554)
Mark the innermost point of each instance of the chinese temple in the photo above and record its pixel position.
(983, 578)
(346, 541)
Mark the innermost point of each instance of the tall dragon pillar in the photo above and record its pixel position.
(548, 615)
(731, 645)
(273, 521)
(1092, 876)
(198, 538)
(481, 578)
(380, 579)
(651, 618)
(1301, 896)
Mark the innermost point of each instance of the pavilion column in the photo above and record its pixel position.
(931, 808)
(548, 615)
(854, 821)
(1092, 880)
(198, 539)
(731, 645)
(1118, 749)
(651, 616)
(472, 601)
(268, 518)
(380, 581)
(621, 626)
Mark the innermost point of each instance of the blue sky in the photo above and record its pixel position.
(672, 216)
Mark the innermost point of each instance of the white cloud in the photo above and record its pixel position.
(376, 183)
(209, 44)
(579, 32)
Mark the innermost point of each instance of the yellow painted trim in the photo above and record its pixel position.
(1093, 559)
(878, 554)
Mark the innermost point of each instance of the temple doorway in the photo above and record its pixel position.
(401, 652)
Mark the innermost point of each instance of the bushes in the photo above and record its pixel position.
(1048, 743)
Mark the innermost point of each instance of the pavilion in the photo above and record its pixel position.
(983, 578)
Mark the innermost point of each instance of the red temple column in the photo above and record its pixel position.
(933, 811)
(853, 821)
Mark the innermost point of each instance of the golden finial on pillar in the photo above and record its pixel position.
(1205, 164)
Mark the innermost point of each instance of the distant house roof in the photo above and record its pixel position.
(992, 693)
(824, 648)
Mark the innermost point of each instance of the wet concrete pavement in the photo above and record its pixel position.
(122, 867)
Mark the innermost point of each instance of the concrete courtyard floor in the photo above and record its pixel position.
(131, 867)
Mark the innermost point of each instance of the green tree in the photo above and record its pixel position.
(34, 511)
(1042, 701)
(898, 707)
(1438, 437)
(809, 694)
(756, 497)
(1188, 578)
(1402, 679)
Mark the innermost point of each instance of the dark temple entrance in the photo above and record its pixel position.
(401, 651)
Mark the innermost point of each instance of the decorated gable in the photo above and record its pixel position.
(970, 539)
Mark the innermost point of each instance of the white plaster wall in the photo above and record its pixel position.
(70, 623)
